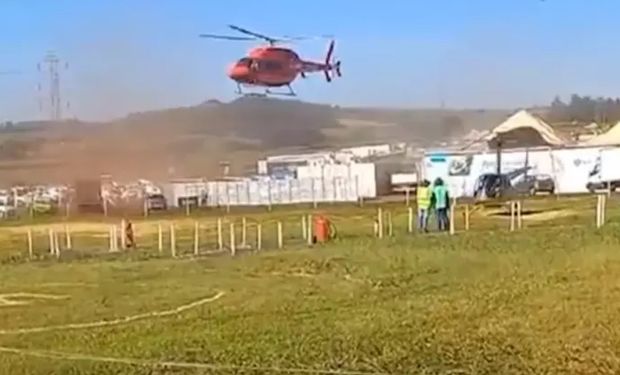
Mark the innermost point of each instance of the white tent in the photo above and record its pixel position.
(609, 138)
(593, 126)
(524, 121)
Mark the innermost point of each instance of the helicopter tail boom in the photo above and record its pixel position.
(327, 67)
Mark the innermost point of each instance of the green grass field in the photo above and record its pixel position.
(545, 299)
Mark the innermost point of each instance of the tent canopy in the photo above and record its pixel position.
(525, 130)
(592, 126)
(609, 138)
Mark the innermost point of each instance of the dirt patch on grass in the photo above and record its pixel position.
(550, 215)
(532, 215)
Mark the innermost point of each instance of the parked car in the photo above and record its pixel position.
(533, 184)
(491, 184)
(602, 185)
(42, 206)
(156, 202)
(544, 183)
(6, 211)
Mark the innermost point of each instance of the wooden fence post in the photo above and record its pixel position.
(30, 243)
(228, 198)
(220, 237)
(451, 216)
(259, 236)
(598, 211)
(314, 201)
(280, 239)
(145, 206)
(196, 238)
(601, 202)
(519, 215)
(390, 227)
(160, 238)
(173, 241)
(309, 231)
(244, 232)
(380, 222)
(410, 219)
(233, 241)
(112, 237)
(68, 243)
(56, 245)
(467, 216)
(51, 241)
(304, 227)
(122, 234)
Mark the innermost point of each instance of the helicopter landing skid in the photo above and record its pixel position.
(289, 93)
(267, 92)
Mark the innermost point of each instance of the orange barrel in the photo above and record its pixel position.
(321, 229)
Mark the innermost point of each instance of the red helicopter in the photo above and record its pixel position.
(271, 66)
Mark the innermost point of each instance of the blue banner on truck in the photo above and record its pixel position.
(438, 158)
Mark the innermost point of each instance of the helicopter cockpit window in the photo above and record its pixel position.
(246, 61)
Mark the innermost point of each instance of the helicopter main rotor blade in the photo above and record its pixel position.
(254, 36)
(298, 38)
(225, 37)
(257, 35)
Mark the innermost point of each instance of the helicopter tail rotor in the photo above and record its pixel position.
(330, 64)
(330, 52)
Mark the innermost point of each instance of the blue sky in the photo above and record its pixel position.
(133, 55)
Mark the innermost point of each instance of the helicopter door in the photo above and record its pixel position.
(269, 66)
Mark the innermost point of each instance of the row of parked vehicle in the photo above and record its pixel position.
(491, 185)
(40, 199)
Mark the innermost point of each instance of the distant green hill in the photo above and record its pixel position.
(191, 141)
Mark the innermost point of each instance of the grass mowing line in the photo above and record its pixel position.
(63, 284)
(176, 365)
(293, 274)
(12, 299)
(346, 277)
(105, 323)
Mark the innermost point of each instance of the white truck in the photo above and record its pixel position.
(605, 175)
(401, 182)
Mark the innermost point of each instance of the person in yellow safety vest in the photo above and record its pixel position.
(423, 195)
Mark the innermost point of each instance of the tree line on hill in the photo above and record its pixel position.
(585, 109)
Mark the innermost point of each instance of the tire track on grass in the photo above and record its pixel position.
(176, 365)
(124, 320)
